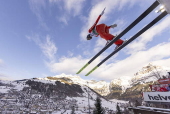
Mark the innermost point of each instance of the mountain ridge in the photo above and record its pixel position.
(147, 73)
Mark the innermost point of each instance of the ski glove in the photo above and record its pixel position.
(113, 26)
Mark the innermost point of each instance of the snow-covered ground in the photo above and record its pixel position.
(4, 89)
(12, 85)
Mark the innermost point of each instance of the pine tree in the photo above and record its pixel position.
(118, 109)
(98, 107)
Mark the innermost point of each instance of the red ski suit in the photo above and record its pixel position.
(103, 31)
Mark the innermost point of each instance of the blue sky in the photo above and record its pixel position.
(40, 38)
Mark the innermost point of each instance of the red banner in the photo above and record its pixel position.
(164, 81)
(159, 87)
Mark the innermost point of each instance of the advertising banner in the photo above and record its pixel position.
(159, 87)
(164, 81)
(157, 96)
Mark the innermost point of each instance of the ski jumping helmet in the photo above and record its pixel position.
(89, 37)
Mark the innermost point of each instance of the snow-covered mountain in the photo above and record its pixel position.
(150, 73)
(131, 88)
(146, 74)
(123, 82)
(102, 87)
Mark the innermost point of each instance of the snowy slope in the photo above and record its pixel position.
(21, 98)
(7, 85)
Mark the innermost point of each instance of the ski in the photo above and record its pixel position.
(142, 16)
(130, 40)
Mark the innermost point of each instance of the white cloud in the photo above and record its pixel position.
(64, 19)
(67, 65)
(47, 47)
(70, 54)
(162, 62)
(135, 62)
(148, 36)
(108, 71)
(68, 8)
(35, 38)
(74, 7)
(70, 65)
(36, 7)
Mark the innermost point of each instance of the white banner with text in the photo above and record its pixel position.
(157, 96)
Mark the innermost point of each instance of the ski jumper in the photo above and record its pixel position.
(103, 31)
